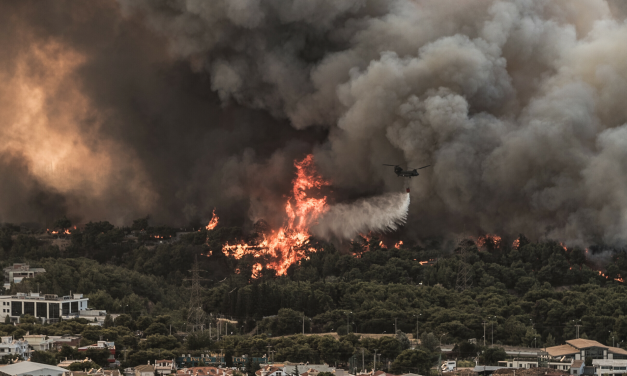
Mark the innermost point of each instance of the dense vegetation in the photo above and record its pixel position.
(533, 294)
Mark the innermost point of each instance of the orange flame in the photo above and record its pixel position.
(516, 243)
(214, 221)
(289, 244)
(398, 244)
(564, 246)
(495, 240)
(382, 245)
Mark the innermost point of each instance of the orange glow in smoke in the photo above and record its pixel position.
(495, 240)
(382, 245)
(288, 244)
(516, 243)
(398, 245)
(564, 246)
(213, 222)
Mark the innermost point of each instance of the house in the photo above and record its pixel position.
(9, 347)
(144, 370)
(580, 349)
(48, 307)
(164, 366)
(203, 371)
(39, 342)
(31, 369)
(270, 371)
(104, 345)
(65, 340)
(17, 272)
(576, 368)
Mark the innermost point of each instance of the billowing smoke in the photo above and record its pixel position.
(346, 221)
(172, 107)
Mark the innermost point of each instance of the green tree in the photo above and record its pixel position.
(492, 355)
(62, 223)
(81, 366)
(413, 361)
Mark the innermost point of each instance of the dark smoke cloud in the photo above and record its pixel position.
(518, 105)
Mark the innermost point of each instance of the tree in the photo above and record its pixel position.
(45, 357)
(492, 355)
(108, 321)
(403, 340)
(81, 366)
(62, 223)
(550, 341)
(413, 361)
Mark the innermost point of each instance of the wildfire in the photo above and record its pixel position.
(398, 244)
(214, 221)
(495, 240)
(382, 245)
(516, 243)
(289, 244)
(66, 232)
(564, 246)
(619, 279)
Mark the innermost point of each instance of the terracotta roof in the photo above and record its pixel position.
(576, 364)
(561, 350)
(145, 368)
(617, 350)
(584, 343)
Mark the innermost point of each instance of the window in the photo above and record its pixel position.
(29, 308)
(574, 372)
(53, 310)
(65, 308)
(16, 308)
(74, 307)
(42, 310)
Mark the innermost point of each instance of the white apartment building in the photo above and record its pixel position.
(39, 342)
(48, 307)
(10, 346)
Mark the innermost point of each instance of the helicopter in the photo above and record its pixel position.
(405, 173)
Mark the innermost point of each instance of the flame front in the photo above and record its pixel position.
(213, 222)
(289, 244)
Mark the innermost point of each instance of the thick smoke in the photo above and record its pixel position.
(346, 221)
(172, 107)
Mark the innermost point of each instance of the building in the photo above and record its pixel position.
(164, 366)
(97, 317)
(31, 369)
(10, 347)
(270, 371)
(580, 349)
(144, 370)
(609, 367)
(101, 345)
(204, 371)
(17, 272)
(48, 307)
(65, 340)
(39, 342)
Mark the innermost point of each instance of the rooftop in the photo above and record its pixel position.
(26, 367)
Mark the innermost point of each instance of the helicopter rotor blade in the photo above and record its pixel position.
(423, 167)
(393, 165)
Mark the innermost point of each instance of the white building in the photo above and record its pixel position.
(609, 367)
(31, 369)
(49, 307)
(164, 366)
(10, 347)
(39, 342)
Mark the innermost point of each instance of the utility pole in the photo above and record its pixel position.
(363, 362)
(395, 330)
(484, 324)
(303, 324)
(577, 326)
(374, 364)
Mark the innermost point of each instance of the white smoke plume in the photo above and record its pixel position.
(381, 213)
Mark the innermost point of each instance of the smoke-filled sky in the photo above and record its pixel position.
(114, 110)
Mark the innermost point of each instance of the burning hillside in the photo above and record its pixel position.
(280, 248)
